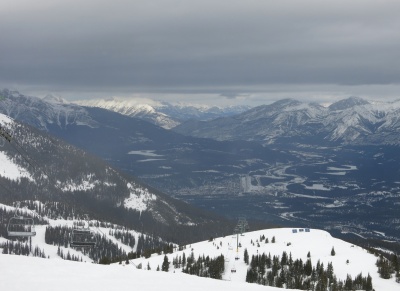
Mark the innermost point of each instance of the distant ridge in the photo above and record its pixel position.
(163, 114)
(352, 121)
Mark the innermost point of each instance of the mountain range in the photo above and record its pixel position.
(163, 114)
(351, 121)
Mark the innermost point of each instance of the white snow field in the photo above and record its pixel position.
(26, 273)
(318, 242)
(29, 273)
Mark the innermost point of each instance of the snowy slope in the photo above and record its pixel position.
(8, 168)
(23, 273)
(139, 196)
(144, 109)
(57, 274)
(318, 242)
(51, 250)
(4, 119)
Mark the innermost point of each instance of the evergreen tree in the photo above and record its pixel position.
(385, 269)
(251, 276)
(165, 264)
(348, 285)
(333, 252)
(246, 257)
(368, 285)
(103, 260)
(308, 268)
(284, 259)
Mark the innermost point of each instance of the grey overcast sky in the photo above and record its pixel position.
(219, 51)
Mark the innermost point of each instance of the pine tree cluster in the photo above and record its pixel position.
(148, 245)
(388, 267)
(47, 209)
(68, 256)
(105, 250)
(19, 248)
(203, 266)
(124, 236)
(61, 236)
(284, 272)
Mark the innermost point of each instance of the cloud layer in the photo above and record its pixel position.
(225, 47)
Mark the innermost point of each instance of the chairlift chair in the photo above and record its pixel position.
(83, 237)
(19, 226)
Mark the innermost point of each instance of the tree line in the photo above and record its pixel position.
(22, 248)
(105, 250)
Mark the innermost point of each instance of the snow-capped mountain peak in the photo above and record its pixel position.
(349, 121)
(55, 99)
(163, 114)
(348, 103)
(42, 113)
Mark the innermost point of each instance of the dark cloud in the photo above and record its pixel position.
(198, 46)
(235, 95)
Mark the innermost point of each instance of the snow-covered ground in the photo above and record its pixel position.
(21, 273)
(318, 242)
(24, 273)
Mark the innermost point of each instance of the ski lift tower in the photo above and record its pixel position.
(241, 227)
